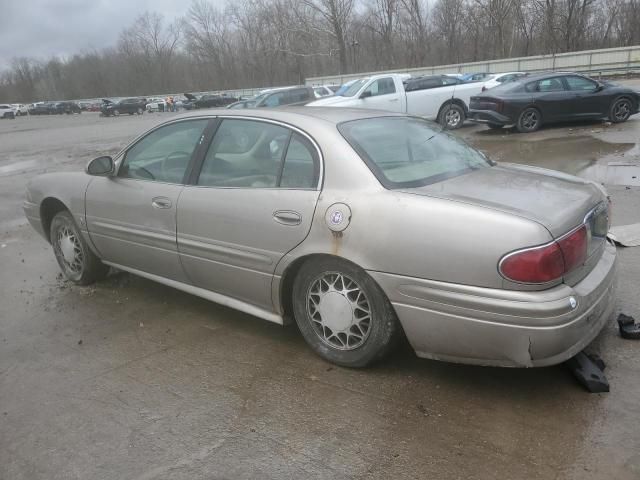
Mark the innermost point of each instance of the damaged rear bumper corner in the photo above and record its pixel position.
(507, 328)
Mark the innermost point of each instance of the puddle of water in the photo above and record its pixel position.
(584, 156)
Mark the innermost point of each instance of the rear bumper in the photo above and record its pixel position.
(489, 116)
(483, 326)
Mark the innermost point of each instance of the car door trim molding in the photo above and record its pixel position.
(219, 250)
(206, 294)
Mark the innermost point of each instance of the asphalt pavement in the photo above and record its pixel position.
(128, 379)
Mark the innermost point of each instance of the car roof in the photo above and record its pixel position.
(291, 114)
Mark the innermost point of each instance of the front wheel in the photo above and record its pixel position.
(342, 313)
(529, 120)
(139, 111)
(620, 110)
(451, 116)
(116, 113)
(77, 262)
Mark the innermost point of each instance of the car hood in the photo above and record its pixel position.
(329, 101)
(554, 199)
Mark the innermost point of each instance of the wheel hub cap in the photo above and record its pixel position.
(339, 311)
(453, 118)
(68, 249)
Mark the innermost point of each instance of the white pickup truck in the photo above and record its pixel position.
(436, 97)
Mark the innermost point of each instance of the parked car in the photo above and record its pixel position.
(94, 107)
(156, 105)
(84, 105)
(278, 97)
(475, 77)
(21, 109)
(41, 108)
(427, 82)
(209, 100)
(447, 103)
(553, 97)
(64, 107)
(500, 78)
(370, 224)
(7, 111)
(323, 91)
(127, 105)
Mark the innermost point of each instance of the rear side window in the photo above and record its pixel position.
(450, 81)
(253, 154)
(423, 84)
(409, 152)
(546, 85)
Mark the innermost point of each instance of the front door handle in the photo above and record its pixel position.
(287, 217)
(161, 202)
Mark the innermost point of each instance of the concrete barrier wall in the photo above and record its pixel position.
(595, 62)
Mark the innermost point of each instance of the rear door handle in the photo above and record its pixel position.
(287, 217)
(161, 202)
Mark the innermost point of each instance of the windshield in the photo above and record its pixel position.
(352, 89)
(410, 152)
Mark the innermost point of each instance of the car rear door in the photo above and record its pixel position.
(252, 202)
(131, 217)
(552, 98)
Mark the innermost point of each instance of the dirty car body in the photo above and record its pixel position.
(389, 220)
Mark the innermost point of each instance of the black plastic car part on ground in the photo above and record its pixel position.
(127, 105)
(552, 97)
(629, 329)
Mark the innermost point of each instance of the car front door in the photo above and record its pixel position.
(131, 217)
(381, 94)
(587, 100)
(252, 202)
(553, 100)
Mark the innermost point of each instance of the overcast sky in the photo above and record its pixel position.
(41, 28)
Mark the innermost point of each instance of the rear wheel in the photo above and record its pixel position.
(342, 313)
(139, 111)
(620, 110)
(529, 120)
(452, 116)
(78, 263)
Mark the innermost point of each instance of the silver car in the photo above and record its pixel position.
(360, 225)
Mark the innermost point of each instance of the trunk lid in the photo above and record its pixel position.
(554, 199)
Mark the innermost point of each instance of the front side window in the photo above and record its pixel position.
(164, 154)
(253, 154)
(382, 86)
(581, 84)
(410, 152)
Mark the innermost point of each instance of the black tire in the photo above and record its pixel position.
(116, 113)
(494, 126)
(620, 110)
(376, 332)
(451, 116)
(140, 111)
(77, 262)
(529, 120)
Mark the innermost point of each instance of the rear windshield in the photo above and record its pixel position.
(410, 152)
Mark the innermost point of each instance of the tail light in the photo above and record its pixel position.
(547, 262)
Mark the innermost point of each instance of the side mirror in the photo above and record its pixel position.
(365, 94)
(101, 166)
(599, 87)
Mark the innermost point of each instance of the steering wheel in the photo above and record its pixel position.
(174, 165)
